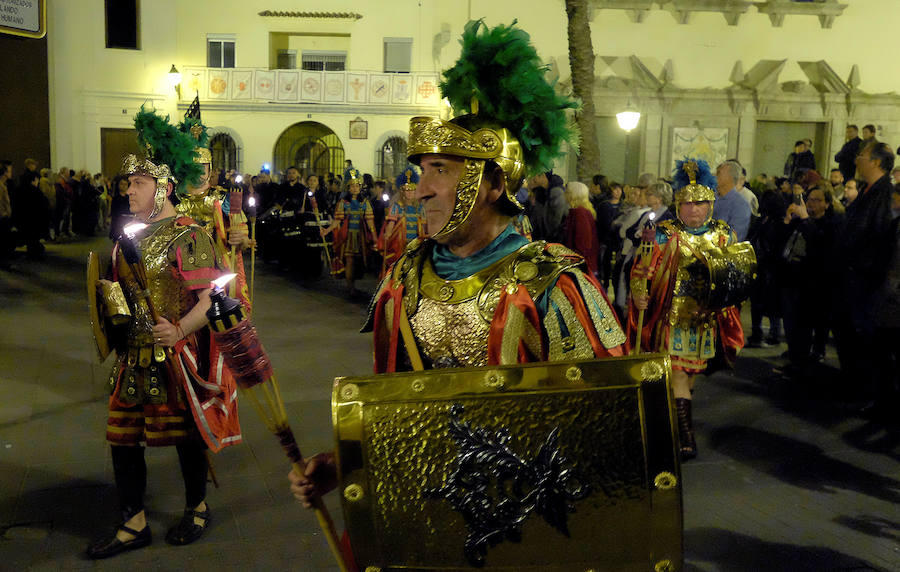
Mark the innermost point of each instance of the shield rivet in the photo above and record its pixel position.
(350, 391)
(353, 493)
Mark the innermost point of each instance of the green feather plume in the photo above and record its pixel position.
(166, 144)
(501, 69)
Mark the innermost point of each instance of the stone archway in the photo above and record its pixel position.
(311, 147)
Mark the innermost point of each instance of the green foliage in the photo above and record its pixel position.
(167, 145)
(501, 69)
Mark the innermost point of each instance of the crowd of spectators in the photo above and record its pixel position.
(827, 248)
(828, 251)
(38, 205)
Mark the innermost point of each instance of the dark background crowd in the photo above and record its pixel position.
(826, 243)
(39, 205)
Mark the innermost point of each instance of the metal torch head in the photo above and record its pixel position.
(224, 313)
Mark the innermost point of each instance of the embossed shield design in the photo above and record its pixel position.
(549, 466)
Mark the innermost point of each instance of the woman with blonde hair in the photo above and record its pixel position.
(580, 226)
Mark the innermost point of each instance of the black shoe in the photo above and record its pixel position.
(110, 545)
(187, 531)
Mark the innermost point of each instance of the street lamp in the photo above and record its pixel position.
(628, 119)
(175, 80)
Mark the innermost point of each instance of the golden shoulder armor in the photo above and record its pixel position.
(536, 266)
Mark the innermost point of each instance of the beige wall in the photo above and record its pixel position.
(92, 87)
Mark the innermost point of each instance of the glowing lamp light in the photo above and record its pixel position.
(239, 179)
(628, 120)
(310, 193)
(174, 76)
(251, 202)
(652, 215)
(385, 197)
(132, 229)
(265, 166)
(223, 281)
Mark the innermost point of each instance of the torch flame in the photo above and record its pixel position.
(652, 215)
(223, 280)
(132, 229)
(385, 197)
(251, 202)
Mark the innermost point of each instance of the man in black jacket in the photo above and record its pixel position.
(846, 157)
(863, 250)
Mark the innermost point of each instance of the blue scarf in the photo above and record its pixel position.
(451, 267)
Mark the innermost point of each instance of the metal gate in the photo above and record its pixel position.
(311, 147)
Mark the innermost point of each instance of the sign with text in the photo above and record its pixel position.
(23, 18)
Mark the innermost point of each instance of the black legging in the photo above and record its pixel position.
(131, 475)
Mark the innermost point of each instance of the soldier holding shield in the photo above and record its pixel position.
(476, 292)
(697, 274)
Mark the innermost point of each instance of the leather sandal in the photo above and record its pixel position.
(110, 545)
(187, 531)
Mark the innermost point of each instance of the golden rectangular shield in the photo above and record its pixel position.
(546, 466)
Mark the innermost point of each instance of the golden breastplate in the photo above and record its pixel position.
(692, 278)
(451, 319)
(166, 290)
(201, 208)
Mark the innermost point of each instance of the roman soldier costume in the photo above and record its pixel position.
(694, 278)
(179, 395)
(405, 221)
(211, 207)
(497, 439)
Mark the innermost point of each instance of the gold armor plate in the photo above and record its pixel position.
(601, 430)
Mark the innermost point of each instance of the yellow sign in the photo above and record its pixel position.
(23, 18)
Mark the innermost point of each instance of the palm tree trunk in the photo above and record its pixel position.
(581, 62)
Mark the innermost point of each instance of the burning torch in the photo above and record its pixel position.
(245, 357)
(236, 217)
(251, 210)
(640, 273)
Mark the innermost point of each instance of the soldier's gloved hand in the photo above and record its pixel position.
(319, 478)
(640, 301)
(238, 235)
(165, 333)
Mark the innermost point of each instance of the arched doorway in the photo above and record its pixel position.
(311, 147)
(392, 158)
(224, 152)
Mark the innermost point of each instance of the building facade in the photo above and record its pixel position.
(285, 82)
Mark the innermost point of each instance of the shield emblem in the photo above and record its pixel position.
(548, 466)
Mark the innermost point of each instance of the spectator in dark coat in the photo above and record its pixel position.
(846, 157)
(863, 251)
(887, 325)
(807, 236)
(607, 211)
(34, 221)
(764, 299)
(798, 162)
(548, 208)
(119, 212)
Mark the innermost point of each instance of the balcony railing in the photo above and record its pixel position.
(352, 88)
